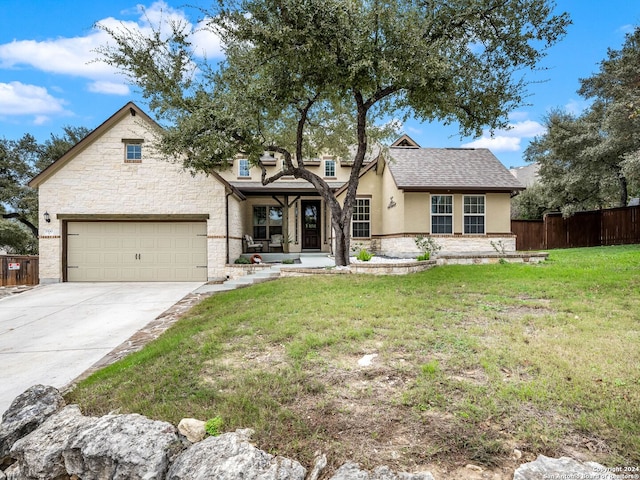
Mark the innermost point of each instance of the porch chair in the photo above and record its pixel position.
(275, 242)
(251, 244)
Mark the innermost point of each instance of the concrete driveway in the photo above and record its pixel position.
(53, 333)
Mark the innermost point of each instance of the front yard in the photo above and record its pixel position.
(472, 362)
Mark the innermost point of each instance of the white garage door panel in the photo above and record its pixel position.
(136, 251)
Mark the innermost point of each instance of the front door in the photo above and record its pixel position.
(311, 225)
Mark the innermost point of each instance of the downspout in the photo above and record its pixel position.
(226, 209)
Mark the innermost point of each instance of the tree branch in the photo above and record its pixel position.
(23, 220)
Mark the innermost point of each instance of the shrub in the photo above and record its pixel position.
(427, 245)
(213, 426)
(242, 261)
(424, 256)
(364, 256)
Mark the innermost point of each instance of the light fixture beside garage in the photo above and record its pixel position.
(47, 217)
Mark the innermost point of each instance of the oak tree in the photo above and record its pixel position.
(302, 77)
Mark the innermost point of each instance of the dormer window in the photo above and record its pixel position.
(330, 168)
(132, 151)
(244, 168)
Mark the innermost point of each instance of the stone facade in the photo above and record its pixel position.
(98, 184)
(405, 246)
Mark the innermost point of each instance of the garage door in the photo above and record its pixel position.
(136, 251)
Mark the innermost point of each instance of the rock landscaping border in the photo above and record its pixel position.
(41, 438)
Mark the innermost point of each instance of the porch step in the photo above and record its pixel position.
(259, 277)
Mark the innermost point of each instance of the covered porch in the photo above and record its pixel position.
(280, 221)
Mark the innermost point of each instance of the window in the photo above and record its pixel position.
(361, 220)
(243, 168)
(442, 214)
(474, 214)
(329, 168)
(267, 221)
(133, 152)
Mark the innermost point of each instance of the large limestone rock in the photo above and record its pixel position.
(122, 447)
(545, 467)
(351, 471)
(39, 455)
(29, 410)
(231, 457)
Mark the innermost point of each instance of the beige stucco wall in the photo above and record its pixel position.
(342, 172)
(499, 204)
(393, 219)
(98, 182)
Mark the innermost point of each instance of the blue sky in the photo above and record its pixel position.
(48, 79)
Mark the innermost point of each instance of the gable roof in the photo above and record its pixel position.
(449, 168)
(527, 175)
(405, 141)
(129, 109)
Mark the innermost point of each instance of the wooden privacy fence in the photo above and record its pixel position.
(18, 270)
(614, 226)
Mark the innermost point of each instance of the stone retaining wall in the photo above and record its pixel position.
(403, 268)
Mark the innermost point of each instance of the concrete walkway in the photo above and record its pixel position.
(307, 260)
(53, 333)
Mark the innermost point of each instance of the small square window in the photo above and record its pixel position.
(133, 152)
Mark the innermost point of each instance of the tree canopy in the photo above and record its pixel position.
(20, 161)
(592, 160)
(304, 77)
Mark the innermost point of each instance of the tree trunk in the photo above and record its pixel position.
(342, 240)
(623, 189)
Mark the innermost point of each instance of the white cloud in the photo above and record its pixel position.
(576, 107)
(77, 56)
(628, 28)
(111, 88)
(41, 120)
(497, 143)
(18, 99)
(508, 140)
(206, 43)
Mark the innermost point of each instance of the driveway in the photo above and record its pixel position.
(53, 333)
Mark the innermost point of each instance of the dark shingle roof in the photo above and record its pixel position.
(450, 168)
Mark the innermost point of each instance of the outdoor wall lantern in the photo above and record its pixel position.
(47, 217)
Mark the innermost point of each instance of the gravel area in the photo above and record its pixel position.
(376, 259)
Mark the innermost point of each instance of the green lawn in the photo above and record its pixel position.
(473, 361)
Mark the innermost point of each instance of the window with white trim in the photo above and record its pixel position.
(442, 214)
(329, 168)
(473, 213)
(243, 168)
(361, 219)
(267, 221)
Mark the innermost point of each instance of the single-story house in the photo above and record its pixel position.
(112, 210)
